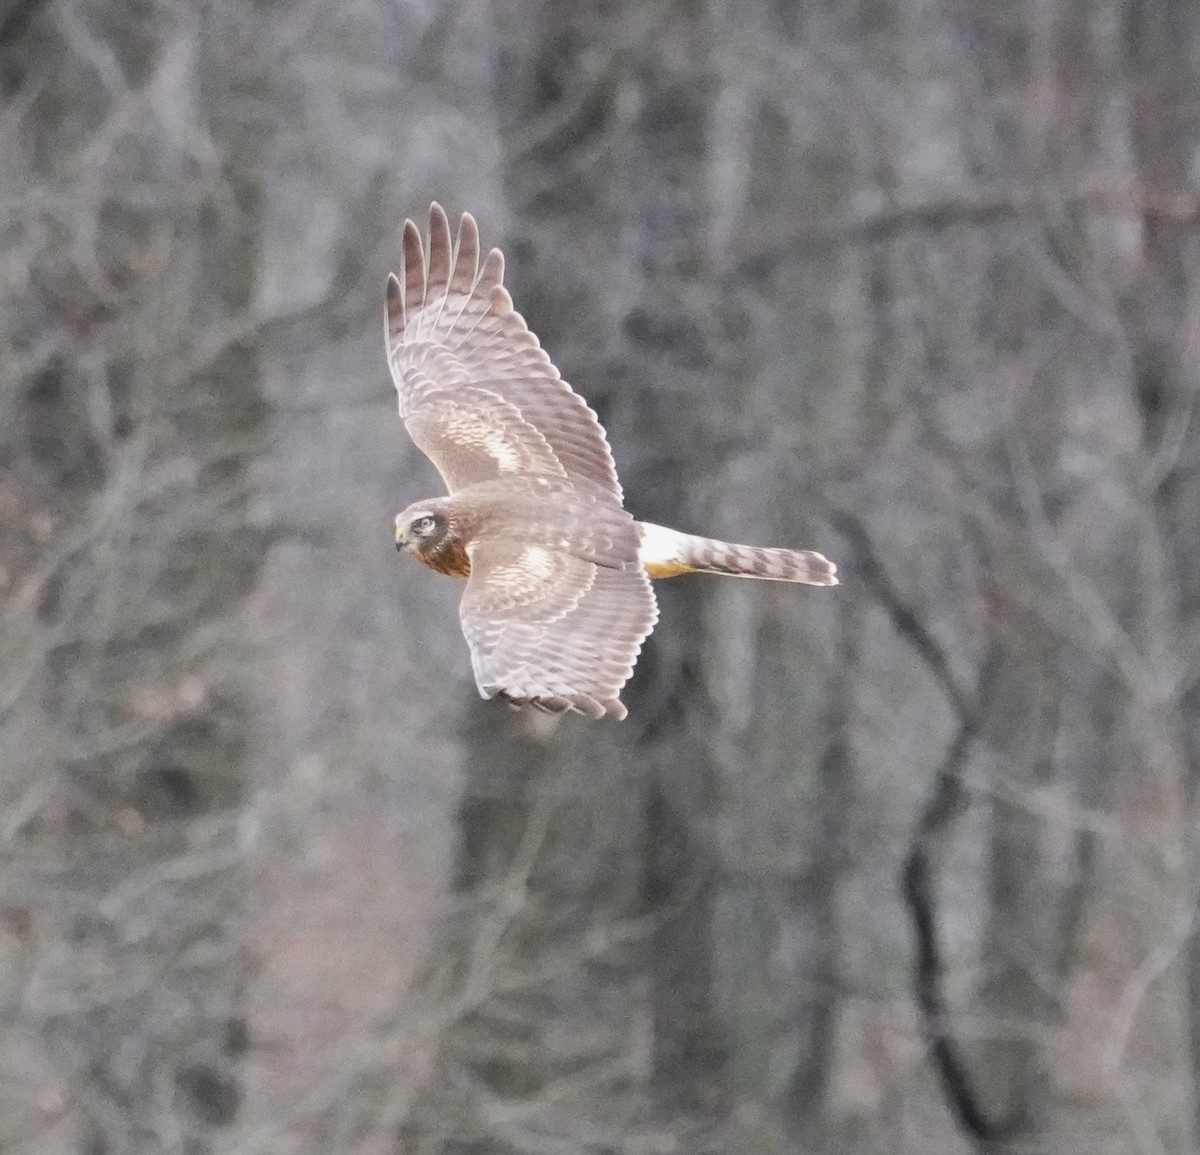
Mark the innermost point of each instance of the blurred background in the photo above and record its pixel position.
(905, 866)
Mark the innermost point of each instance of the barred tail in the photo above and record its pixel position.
(666, 552)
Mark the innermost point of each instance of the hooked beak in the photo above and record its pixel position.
(400, 539)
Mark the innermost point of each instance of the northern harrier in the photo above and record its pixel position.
(558, 597)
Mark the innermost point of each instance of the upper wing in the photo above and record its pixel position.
(551, 630)
(478, 394)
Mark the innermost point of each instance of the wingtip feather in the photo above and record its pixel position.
(492, 273)
(414, 267)
(466, 256)
(394, 298)
(439, 248)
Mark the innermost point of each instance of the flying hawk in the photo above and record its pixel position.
(558, 598)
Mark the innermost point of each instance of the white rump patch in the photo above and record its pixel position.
(660, 546)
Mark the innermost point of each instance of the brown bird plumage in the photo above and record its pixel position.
(558, 597)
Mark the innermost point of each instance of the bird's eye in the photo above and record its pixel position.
(423, 525)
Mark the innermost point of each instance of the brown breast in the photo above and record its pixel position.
(449, 558)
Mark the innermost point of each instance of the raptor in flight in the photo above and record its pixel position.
(558, 598)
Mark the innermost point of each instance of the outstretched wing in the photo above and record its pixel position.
(551, 630)
(478, 394)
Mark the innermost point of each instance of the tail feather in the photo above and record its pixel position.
(666, 552)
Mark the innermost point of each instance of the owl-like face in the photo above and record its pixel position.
(420, 528)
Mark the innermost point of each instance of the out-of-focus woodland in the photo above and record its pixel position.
(905, 866)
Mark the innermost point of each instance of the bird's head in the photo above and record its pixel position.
(422, 528)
